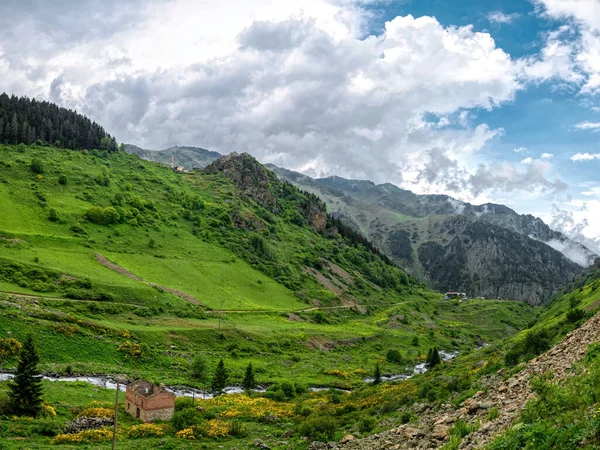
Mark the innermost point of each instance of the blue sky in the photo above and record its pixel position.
(432, 95)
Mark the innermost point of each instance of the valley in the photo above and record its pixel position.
(122, 268)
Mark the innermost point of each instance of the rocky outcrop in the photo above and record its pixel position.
(251, 177)
(508, 396)
(262, 185)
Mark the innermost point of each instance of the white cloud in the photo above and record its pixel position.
(299, 84)
(547, 156)
(588, 126)
(528, 160)
(585, 156)
(520, 150)
(585, 61)
(300, 87)
(500, 17)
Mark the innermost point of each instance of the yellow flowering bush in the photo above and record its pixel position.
(230, 406)
(48, 411)
(9, 348)
(345, 375)
(215, 428)
(131, 349)
(186, 433)
(97, 412)
(84, 437)
(147, 430)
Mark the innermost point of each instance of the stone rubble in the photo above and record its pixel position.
(87, 423)
(508, 396)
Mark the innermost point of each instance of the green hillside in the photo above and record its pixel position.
(123, 266)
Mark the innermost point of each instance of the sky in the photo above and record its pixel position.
(486, 101)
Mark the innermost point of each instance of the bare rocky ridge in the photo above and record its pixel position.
(508, 396)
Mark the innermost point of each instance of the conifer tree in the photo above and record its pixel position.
(220, 379)
(433, 358)
(199, 369)
(25, 389)
(377, 374)
(249, 382)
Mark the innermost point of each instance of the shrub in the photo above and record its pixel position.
(102, 216)
(132, 350)
(9, 348)
(394, 356)
(97, 412)
(48, 427)
(575, 315)
(367, 424)
(62, 179)
(37, 166)
(318, 427)
(199, 369)
(78, 229)
(53, 215)
(146, 430)
(239, 429)
(186, 418)
(288, 390)
(87, 436)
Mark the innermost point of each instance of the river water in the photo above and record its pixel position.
(109, 383)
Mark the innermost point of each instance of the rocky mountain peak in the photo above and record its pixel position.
(251, 177)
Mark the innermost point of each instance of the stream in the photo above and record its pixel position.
(108, 383)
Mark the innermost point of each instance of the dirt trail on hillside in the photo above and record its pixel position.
(115, 267)
(508, 396)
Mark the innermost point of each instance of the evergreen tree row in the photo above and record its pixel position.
(27, 121)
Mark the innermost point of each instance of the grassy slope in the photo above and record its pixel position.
(164, 248)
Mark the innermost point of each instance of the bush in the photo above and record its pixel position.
(239, 429)
(575, 315)
(394, 356)
(146, 430)
(288, 389)
(367, 424)
(37, 166)
(102, 216)
(186, 418)
(62, 179)
(53, 215)
(318, 428)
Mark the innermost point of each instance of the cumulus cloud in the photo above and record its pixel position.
(520, 150)
(588, 126)
(547, 156)
(300, 84)
(295, 94)
(500, 17)
(584, 15)
(585, 156)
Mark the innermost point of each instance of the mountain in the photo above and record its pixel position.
(487, 250)
(187, 157)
